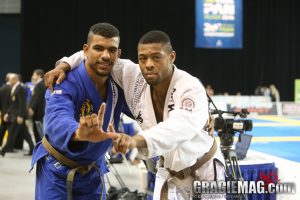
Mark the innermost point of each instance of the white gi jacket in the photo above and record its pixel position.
(180, 138)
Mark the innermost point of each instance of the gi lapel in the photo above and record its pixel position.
(148, 107)
(112, 99)
(93, 95)
(170, 103)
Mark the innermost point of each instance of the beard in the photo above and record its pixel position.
(100, 72)
(152, 82)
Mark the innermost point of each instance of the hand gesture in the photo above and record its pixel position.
(90, 128)
(123, 143)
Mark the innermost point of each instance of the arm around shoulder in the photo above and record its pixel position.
(73, 61)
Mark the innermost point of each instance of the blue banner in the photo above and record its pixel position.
(219, 24)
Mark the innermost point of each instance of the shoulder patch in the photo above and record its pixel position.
(187, 104)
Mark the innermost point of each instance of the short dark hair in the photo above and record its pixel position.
(104, 29)
(39, 72)
(156, 36)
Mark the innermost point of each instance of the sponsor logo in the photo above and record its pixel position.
(56, 92)
(139, 118)
(170, 107)
(171, 101)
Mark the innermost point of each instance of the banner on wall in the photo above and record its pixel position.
(219, 24)
(297, 90)
(290, 108)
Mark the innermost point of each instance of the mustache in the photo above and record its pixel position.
(104, 62)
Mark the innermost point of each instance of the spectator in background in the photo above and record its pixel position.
(259, 90)
(209, 90)
(274, 93)
(29, 88)
(36, 106)
(16, 115)
(20, 137)
(266, 91)
(4, 102)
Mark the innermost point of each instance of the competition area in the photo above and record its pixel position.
(277, 136)
(276, 139)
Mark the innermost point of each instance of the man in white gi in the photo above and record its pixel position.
(171, 107)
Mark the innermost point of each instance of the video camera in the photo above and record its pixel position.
(226, 128)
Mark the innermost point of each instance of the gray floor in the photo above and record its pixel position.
(15, 180)
(17, 183)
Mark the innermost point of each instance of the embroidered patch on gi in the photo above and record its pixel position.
(187, 104)
(56, 92)
(87, 108)
(57, 165)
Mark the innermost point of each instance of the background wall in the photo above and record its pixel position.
(271, 53)
(10, 44)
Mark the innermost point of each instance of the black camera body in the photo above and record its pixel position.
(226, 129)
(233, 125)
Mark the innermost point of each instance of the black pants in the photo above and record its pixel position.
(17, 130)
(38, 134)
(3, 129)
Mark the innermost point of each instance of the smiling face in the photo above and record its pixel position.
(101, 54)
(156, 62)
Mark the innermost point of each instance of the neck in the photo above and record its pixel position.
(99, 82)
(161, 89)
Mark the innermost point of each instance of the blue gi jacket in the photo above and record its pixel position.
(74, 97)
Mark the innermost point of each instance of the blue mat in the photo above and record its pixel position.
(275, 131)
(286, 150)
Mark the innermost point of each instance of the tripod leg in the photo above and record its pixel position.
(233, 171)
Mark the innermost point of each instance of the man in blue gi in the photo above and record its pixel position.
(70, 159)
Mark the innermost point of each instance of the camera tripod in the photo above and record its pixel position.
(233, 171)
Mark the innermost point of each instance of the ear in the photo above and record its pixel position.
(119, 53)
(172, 56)
(85, 49)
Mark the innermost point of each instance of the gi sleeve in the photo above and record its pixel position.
(60, 121)
(185, 121)
(74, 60)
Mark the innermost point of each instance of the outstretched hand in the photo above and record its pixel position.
(56, 75)
(90, 128)
(123, 143)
